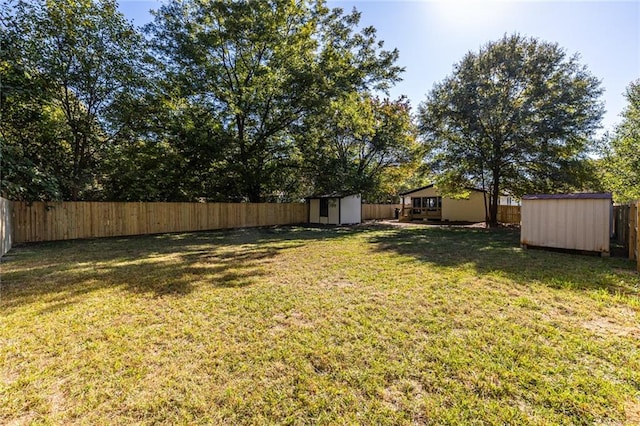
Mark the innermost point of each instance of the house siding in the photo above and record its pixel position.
(469, 209)
(464, 210)
(334, 211)
(314, 211)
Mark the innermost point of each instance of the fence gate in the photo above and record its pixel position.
(621, 225)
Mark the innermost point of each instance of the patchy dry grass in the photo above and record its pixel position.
(366, 325)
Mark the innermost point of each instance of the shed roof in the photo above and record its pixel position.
(431, 185)
(331, 195)
(573, 196)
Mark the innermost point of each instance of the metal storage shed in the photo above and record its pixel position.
(567, 221)
(335, 209)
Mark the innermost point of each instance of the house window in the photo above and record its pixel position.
(324, 207)
(432, 203)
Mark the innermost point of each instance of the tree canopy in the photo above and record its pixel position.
(368, 144)
(69, 62)
(206, 102)
(257, 69)
(620, 162)
(273, 100)
(515, 117)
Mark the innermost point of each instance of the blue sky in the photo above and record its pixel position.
(434, 35)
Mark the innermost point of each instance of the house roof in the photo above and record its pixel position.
(431, 185)
(415, 190)
(330, 195)
(573, 196)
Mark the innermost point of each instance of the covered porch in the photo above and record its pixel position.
(423, 208)
(428, 204)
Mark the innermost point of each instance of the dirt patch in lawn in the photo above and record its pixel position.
(626, 327)
(337, 283)
(632, 411)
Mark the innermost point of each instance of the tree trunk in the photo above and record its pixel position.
(75, 171)
(486, 206)
(495, 196)
(253, 191)
(254, 183)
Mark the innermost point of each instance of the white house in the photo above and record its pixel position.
(335, 209)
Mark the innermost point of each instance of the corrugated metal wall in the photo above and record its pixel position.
(567, 223)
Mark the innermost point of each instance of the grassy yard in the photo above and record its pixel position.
(366, 325)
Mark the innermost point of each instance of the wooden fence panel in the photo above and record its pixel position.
(50, 221)
(379, 211)
(509, 214)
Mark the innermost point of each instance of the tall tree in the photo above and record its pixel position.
(259, 68)
(516, 117)
(620, 162)
(30, 126)
(361, 144)
(166, 152)
(87, 53)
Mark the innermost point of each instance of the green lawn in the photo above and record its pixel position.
(366, 325)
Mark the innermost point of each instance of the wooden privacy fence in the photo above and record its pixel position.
(379, 211)
(6, 228)
(509, 214)
(51, 221)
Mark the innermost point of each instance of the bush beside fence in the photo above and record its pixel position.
(6, 228)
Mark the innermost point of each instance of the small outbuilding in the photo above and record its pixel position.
(580, 221)
(426, 203)
(335, 209)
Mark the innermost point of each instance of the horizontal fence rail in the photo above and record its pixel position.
(51, 221)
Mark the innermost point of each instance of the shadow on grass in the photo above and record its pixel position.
(159, 265)
(498, 251)
(172, 265)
